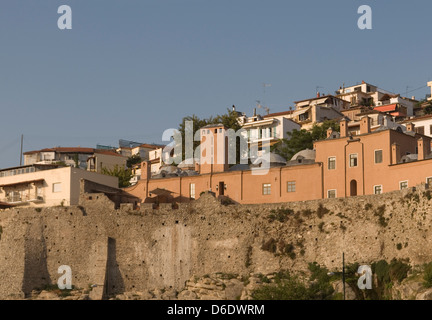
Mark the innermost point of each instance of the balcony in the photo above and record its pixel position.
(21, 200)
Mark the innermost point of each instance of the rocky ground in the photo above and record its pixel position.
(230, 287)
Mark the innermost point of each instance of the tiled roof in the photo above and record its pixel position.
(63, 150)
(151, 146)
(427, 116)
(277, 114)
(74, 150)
(388, 107)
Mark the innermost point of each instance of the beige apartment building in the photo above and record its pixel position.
(41, 185)
(316, 110)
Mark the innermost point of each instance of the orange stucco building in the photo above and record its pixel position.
(340, 166)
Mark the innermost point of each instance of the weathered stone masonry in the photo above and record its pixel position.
(135, 250)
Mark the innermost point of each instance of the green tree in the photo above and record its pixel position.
(76, 160)
(132, 160)
(428, 109)
(299, 140)
(427, 277)
(123, 174)
(290, 288)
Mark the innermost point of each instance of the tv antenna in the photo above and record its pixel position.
(260, 106)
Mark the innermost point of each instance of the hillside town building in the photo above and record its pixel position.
(47, 185)
(342, 165)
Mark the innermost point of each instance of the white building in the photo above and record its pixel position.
(316, 110)
(366, 94)
(430, 85)
(83, 158)
(269, 128)
(422, 125)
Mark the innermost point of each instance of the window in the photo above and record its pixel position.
(332, 163)
(429, 181)
(419, 130)
(192, 190)
(331, 194)
(378, 156)
(291, 186)
(378, 189)
(403, 185)
(430, 129)
(57, 187)
(353, 160)
(303, 117)
(266, 189)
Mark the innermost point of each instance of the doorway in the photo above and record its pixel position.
(353, 188)
(221, 188)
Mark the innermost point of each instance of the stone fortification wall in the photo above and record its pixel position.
(128, 250)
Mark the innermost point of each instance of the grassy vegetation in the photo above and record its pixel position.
(280, 214)
(379, 212)
(427, 276)
(321, 211)
(290, 287)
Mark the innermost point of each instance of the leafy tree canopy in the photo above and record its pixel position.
(299, 140)
(229, 120)
(123, 174)
(132, 160)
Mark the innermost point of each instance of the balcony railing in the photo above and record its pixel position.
(18, 199)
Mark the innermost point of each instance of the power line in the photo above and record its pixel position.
(416, 89)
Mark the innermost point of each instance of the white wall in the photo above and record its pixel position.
(67, 177)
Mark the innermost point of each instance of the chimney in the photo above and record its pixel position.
(197, 166)
(233, 107)
(395, 155)
(329, 132)
(363, 82)
(365, 125)
(423, 147)
(413, 97)
(343, 124)
(410, 126)
(254, 114)
(145, 170)
(318, 94)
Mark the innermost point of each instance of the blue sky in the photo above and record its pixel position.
(131, 69)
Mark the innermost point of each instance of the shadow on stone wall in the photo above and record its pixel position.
(113, 279)
(36, 275)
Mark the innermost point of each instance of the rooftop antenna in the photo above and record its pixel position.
(265, 85)
(406, 91)
(260, 106)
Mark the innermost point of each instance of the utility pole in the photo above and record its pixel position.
(21, 152)
(343, 273)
